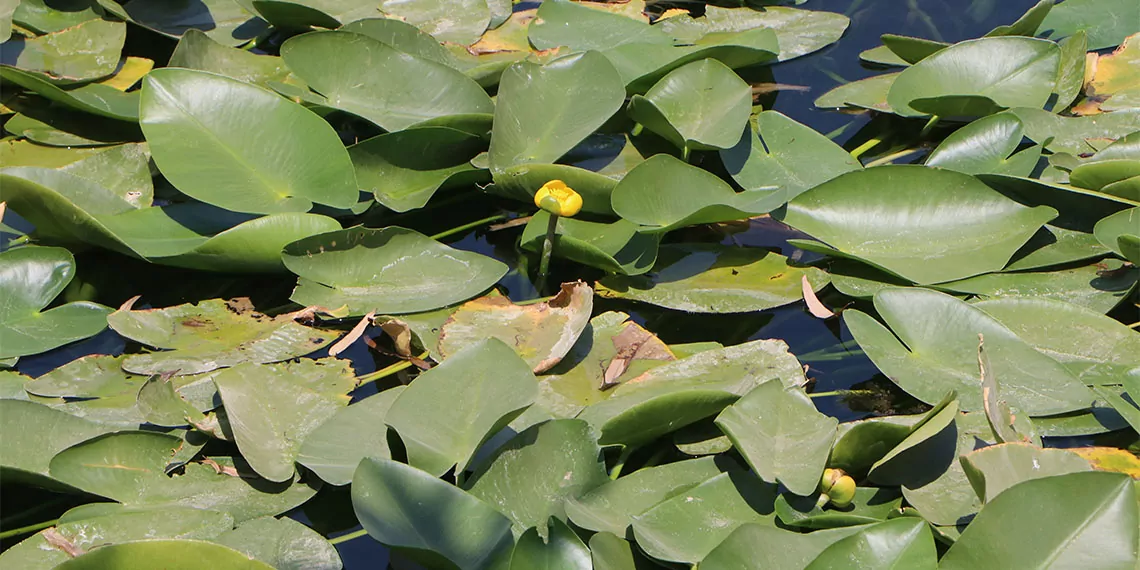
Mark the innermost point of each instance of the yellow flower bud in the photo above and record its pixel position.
(558, 199)
(843, 491)
(830, 476)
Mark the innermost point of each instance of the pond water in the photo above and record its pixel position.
(826, 347)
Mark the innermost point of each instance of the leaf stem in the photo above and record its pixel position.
(347, 537)
(27, 529)
(466, 227)
(859, 150)
(929, 125)
(547, 250)
(388, 370)
(893, 156)
(625, 453)
(841, 393)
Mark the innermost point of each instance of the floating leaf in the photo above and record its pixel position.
(530, 476)
(905, 542)
(282, 543)
(780, 152)
(616, 247)
(578, 27)
(705, 278)
(754, 546)
(334, 449)
(225, 22)
(799, 32)
(986, 145)
(870, 93)
(908, 462)
(30, 278)
(1099, 286)
(485, 384)
(1089, 516)
(102, 100)
(611, 507)
(868, 505)
(665, 193)
(460, 22)
(405, 169)
(996, 468)
(419, 274)
(1106, 23)
(1073, 134)
(213, 334)
(83, 52)
(34, 433)
(196, 50)
(936, 359)
(391, 88)
(185, 113)
(718, 506)
(978, 77)
(924, 224)
(171, 554)
(561, 550)
(700, 106)
(781, 435)
(1117, 231)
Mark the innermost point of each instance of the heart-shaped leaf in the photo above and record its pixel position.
(616, 247)
(561, 550)
(905, 542)
(698, 106)
(986, 145)
(175, 554)
(196, 50)
(403, 170)
(281, 543)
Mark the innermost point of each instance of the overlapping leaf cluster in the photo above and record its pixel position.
(979, 280)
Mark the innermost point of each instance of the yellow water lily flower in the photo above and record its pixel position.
(558, 199)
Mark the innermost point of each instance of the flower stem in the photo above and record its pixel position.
(27, 529)
(859, 150)
(347, 537)
(625, 453)
(388, 370)
(840, 393)
(893, 156)
(929, 125)
(547, 250)
(465, 227)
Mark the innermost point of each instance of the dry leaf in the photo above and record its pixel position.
(814, 305)
(633, 343)
(60, 542)
(352, 335)
(221, 469)
(401, 335)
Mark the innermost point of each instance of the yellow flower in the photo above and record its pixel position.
(558, 199)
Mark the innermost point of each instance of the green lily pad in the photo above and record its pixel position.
(799, 32)
(934, 360)
(174, 554)
(403, 170)
(1099, 286)
(485, 384)
(300, 15)
(271, 416)
(1052, 246)
(35, 433)
(334, 449)
(31, 278)
(543, 111)
(93, 376)
(924, 224)
(227, 23)
(458, 22)
(1071, 78)
(709, 278)
(391, 88)
(433, 517)
(283, 543)
(612, 506)
(870, 93)
(213, 334)
(978, 77)
(1103, 353)
(781, 152)
(912, 50)
(869, 505)
(1072, 134)
(1090, 516)
(754, 546)
(986, 145)
(700, 106)
(996, 468)
(139, 478)
(118, 526)
(781, 435)
(561, 550)
(860, 444)
(579, 27)
(949, 499)
(420, 274)
(183, 121)
(904, 542)
(529, 478)
(918, 457)
(95, 98)
(616, 247)
(521, 182)
(80, 53)
(196, 50)
(404, 37)
(49, 123)
(1117, 231)
(46, 16)
(541, 334)
(1106, 23)
(665, 193)
(161, 404)
(717, 506)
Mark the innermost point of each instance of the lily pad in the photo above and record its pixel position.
(334, 449)
(709, 278)
(869, 505)
(1099, 286)
(95, 98)
(986, 145)
(435, 519)
(664, 193)
(183, 121)
(924, 224)
(93, 376)
(799, 32)
(485, 384)
(978, 77)
(904, 542)
(1091, 516)
(561, 550)
(403, 170)
(753, 546)
(80, 53)
(283, 543)
(934, 360)
(781, 152)
(30, 278)
(419, 274)
(1118, 232)
(1106, 23)
(541, 334)
(36, 433)
(616, 247)
(699, 106)
(213, 334)
(391, 88)
(170, 553)
(996, 468)
(870, 93)
(781, 434)
(579, 27)
(226, 22)
(196, 50)
(529, 478)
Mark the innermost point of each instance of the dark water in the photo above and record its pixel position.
(823, 346)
